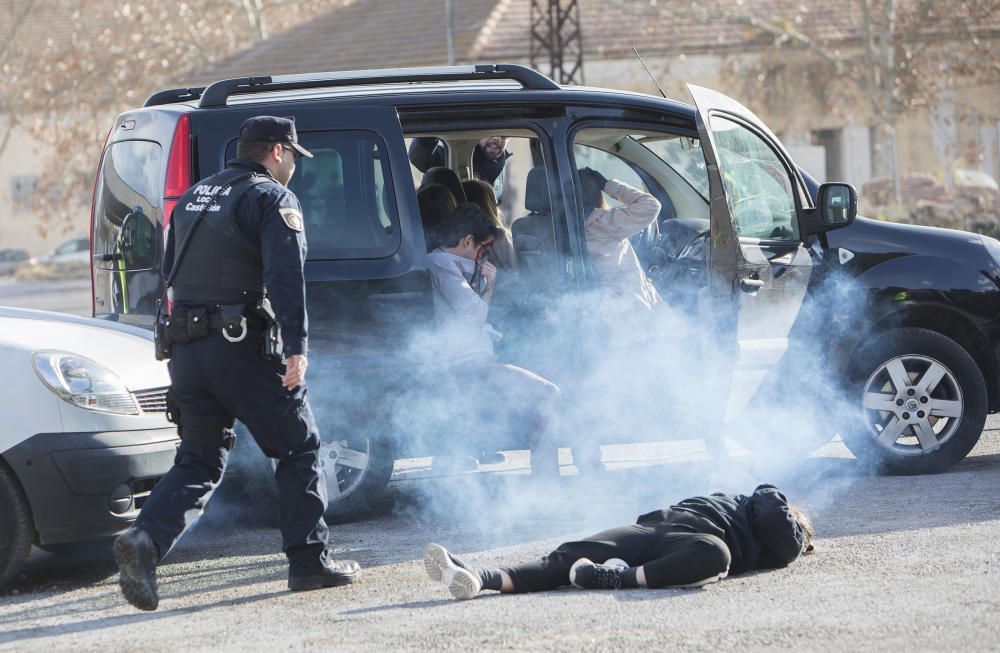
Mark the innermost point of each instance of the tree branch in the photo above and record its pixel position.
(6, 136)
(15, 25)
(787, 32)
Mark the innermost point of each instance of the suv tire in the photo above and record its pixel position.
(360, 486)
(16, 529)
(925, 387)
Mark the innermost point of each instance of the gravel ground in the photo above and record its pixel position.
(903, 563)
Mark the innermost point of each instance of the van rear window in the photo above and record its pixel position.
(130, 183)
(348, 202)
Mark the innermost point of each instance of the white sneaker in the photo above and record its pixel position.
(462, 583)
(617, 563)
(576, 565)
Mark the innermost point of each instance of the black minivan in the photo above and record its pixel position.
(800, 322)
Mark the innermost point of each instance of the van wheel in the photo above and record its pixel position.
(922, 400)
(16, 529)
(356, 475)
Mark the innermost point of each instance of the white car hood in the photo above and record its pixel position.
(125, 350)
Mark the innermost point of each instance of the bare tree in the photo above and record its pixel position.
(890, 56)
(19, 12)
(66, 89)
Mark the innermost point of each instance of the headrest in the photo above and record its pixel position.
(536, 192)
(447, 178)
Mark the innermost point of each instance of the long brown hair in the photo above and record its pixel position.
(807, 528)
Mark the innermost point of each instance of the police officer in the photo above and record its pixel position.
(237, 238)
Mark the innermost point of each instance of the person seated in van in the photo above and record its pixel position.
(436, 203)
(698, 541)
(619, 272)
(447, 178)
(481, 194)
(488, 159)
(499, 395)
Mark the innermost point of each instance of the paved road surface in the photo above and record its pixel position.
(902, 564)
(67, 296)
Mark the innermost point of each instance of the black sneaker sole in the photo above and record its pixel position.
(307, 583)
(137, 577)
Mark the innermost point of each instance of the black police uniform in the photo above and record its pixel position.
(250, 238)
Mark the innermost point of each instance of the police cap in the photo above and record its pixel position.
(272, 129)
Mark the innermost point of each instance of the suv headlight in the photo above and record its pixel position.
(83, 382)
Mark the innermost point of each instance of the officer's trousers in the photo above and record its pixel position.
(214, 382)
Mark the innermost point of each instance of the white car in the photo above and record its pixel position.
(83, 436)
(73, 251)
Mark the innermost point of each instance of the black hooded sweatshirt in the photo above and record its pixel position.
(758, 529)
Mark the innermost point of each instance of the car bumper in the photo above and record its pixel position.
(83, 486)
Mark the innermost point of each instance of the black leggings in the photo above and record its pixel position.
(673, 555)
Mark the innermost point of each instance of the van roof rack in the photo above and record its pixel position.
(171, 95)
(218, 93)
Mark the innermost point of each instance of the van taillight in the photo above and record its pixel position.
(178, 167)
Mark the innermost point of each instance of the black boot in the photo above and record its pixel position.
(333, 574)
(136, 555)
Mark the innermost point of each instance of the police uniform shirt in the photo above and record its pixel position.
(269, 216)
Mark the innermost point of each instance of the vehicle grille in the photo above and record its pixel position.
(141, 489)
(152, 401)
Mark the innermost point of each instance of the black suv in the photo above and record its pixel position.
(885, 334)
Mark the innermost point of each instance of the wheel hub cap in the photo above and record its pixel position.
(912, 405)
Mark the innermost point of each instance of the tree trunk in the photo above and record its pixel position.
(884, 159)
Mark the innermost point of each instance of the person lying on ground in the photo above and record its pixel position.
(695, 542)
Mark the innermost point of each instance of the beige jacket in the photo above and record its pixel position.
(622, 280)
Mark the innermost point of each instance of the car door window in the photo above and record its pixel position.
(758, 188)
(349, 209)
(348, 202)
(130, 181)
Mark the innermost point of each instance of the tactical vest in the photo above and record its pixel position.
(220, 266)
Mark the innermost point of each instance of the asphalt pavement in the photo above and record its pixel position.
(902, 563)
(65, 295)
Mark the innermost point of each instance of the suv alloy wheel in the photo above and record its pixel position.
(923, 402)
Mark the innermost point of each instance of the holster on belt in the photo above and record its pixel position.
(272, 344)
(161, 343)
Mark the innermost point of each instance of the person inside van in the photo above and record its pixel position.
(619, 272)
(447, 178)
(481, 194)
(436, 203)
(488, 159)
(501, 396)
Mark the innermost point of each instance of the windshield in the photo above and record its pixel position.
(683, 154)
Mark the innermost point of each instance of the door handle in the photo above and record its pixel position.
(751, 286)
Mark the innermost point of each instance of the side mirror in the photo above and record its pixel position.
(836, 207)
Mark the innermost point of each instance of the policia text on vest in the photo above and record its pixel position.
(184, 324)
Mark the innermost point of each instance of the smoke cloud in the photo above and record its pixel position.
(627, 376)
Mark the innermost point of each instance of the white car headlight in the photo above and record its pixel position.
(83, 382)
